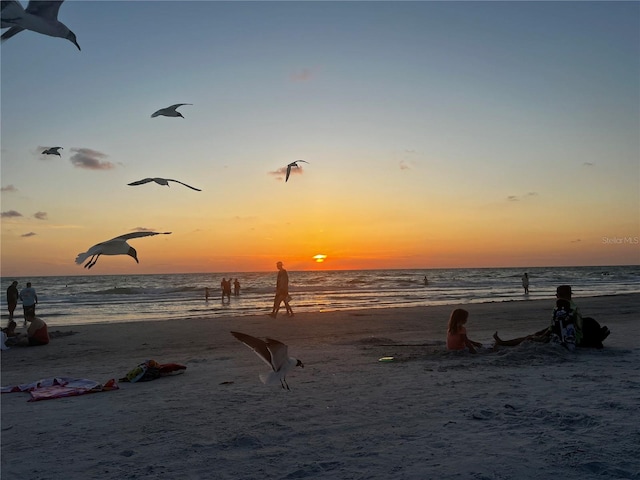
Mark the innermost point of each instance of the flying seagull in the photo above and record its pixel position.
(293, 164)
(170, 111)
(52, 151)
(274, 354)
(115, 246)
(162, 181)
(39, 16)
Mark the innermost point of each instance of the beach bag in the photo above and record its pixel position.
(149, 370)
(563, 330)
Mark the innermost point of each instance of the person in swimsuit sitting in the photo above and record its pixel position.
(37, 334)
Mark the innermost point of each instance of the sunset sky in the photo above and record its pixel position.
(438, 134)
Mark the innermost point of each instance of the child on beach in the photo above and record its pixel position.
(457, 334)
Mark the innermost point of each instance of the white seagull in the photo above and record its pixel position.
(162, 181)
(52, 151)
(274, 354)
(115, 246)
(40, 17)
(293, 164)
(170, 111)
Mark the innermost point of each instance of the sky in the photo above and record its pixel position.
(437, 135)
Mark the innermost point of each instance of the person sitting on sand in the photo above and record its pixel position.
(594, 333)
(37, 334)
(457, 334)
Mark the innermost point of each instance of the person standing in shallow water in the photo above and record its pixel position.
(236, 288)
(282, 292)
(525, 283)
(12, 298)
(29, 301)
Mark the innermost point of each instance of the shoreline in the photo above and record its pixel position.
(347, 414)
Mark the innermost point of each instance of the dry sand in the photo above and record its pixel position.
(528, 412)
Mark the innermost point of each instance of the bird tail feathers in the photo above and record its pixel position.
(81, 258)
(271, 378)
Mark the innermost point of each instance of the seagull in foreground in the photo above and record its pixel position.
(115, 246)
(39, 16)
(162, 181)
(170, 111)
(293, 164)
(274, 354)
(52, 151)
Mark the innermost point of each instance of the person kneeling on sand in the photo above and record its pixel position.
(457, 334)
(37, 334)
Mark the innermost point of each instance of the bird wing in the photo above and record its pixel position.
(44, 9)
(279, 353)
(173, 107)
(128, 236)
(288, 172)
(302, 161)
(182, 183)
(260, 347)
(10, 33)
(141, 182)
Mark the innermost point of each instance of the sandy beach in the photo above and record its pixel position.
(533, 411)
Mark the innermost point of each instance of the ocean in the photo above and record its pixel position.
(77, 300)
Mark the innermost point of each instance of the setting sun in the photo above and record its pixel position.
(319, 258)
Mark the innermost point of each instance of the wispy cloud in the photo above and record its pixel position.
(90, 159)
(304, 75)
(405, 165)
(10, 214)
(143, 229)
(588, 164)
(9, 189)
(40, 215)
(578, 240)
(516, 198)
(30, 234)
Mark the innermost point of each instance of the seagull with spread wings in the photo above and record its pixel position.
(52, 151)
(294, 165)
(115, 246)
(273, 353)
(170, 111)
(39, 16)
(162, 181)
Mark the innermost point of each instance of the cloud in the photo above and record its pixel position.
(516, 198)
(578, 240)
(404, 165)
(10, 214)
(588, 164)
(30, 234)
(90, 159)
(143, 229)
(304, 75)
(40, 215)
(9, 189)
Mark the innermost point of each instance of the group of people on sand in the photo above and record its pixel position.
(37, 331)
(568, 328)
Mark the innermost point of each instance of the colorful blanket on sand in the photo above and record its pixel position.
(58, 387)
